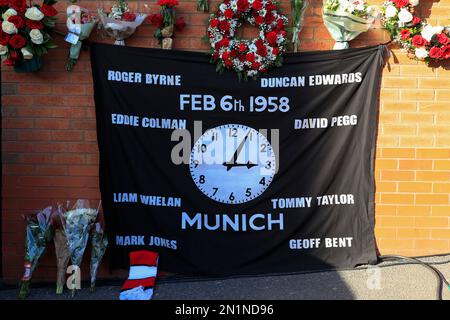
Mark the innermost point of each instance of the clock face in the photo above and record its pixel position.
(232, 163)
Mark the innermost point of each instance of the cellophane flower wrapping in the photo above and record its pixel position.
(77, 223)
(81, 23)
(347, 19)
(119, 29)
(298, 8)
(39, 233)
(99, 242)
(62, 259)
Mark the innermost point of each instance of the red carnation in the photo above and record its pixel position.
(446, 52)
(224, 25)
(270, 6)
(405, 34)
(214, 23)
(257, 5)
(233, 53)
(242, 5)
(272, 37)
(49, 11)
(259, 20)
(157, 20)
(418, 41)
(228, 13)
(401, 3)
(228, 63)
(436, 53)
(225, 55)
(17, 21)
(241, 57)
(256, 65)
(225, 42)
(180, 24)
(269, 17)
(280, 24)
(250, 57)
(415, 20)
(275, 51)
(442, 38)
(17, 41)
(128, 16)
(4, 38)
(242, 47)
(9, 62)
(3, 3)
(19, 5)
(168, 3)
(262, 51)
(31, 24)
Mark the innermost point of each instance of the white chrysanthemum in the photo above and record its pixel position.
(391, 11)
(223, 7)
(421, 53)
(428, 31)
(405, 16)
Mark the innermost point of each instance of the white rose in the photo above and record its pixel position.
(36, 36)
(8, 13)
(34, 13)
(9, 27)
(421, 53)
(428, 31)
(3, 50)
(27, 55)
(414, 2)
(405, 16)
(391, 11)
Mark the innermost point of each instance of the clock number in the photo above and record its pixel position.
(264, 147)
(268, 165)
(248, 192)
(202, 179)
(233, 132)
(214, 136)
(231, 197)
(263, 181)
(215, 191)
(202, 148)
(196, 163)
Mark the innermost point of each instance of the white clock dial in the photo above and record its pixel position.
(232, 163)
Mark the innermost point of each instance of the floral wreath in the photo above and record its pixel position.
(422, 41)
(248, 58)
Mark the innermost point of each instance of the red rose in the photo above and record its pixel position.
(157, 20)
(224, 25)
(269, 17)
(180, 24)
(259, 20)
(17, 41)
(3, 3)
(19, 5)
(241, 57)
(272, 37)
(257, 5)
(401, 3)
(280, 24)
(275, 51)
(262, 51)
(446, 54)
(225, 55)
(415, 20)
(228, 63)
(214, 23)
(225, 42)
(436, 53)
(242, 47)
(250, 57)
(13, 54)
(34, 24)
(418, 41)
(228, 13)
(270, 6)
(242, 5)
(442, 38)
(128, 16)
(405, 34)
(49, 11)
(9, 62)
(168, 3)
(233, 53)
(256, 65)
(17, 21)
(4, 38)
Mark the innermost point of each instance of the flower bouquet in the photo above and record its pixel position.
(38, 235)
(203, 5)
(24, 37)
(298, 8)
(99, 242)
(420, 40)
(120, 23)
(77, 223)
(80, 24)
(347, 19)
(165, 23)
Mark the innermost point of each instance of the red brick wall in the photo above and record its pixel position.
(49, 148)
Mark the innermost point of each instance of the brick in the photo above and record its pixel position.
(441, 164)
(414, 187)
(416, 95)
(415, 164)
(433, 175)
(398, 153)
(433, 153)
(414, 211)
(397, 175)
(432, 244)
(397, 198)
(434, 222)
(432, 199)
(443, 211)
(440, 233)
(413, 233)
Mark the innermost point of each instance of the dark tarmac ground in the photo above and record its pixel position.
(383, 282)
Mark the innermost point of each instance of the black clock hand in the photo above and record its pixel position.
(232, 163)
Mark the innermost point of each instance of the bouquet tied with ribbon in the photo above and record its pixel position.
(120, 23)
(39, 232)
(80, 24)
(347, 19)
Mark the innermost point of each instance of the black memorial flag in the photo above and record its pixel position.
(223, 177)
